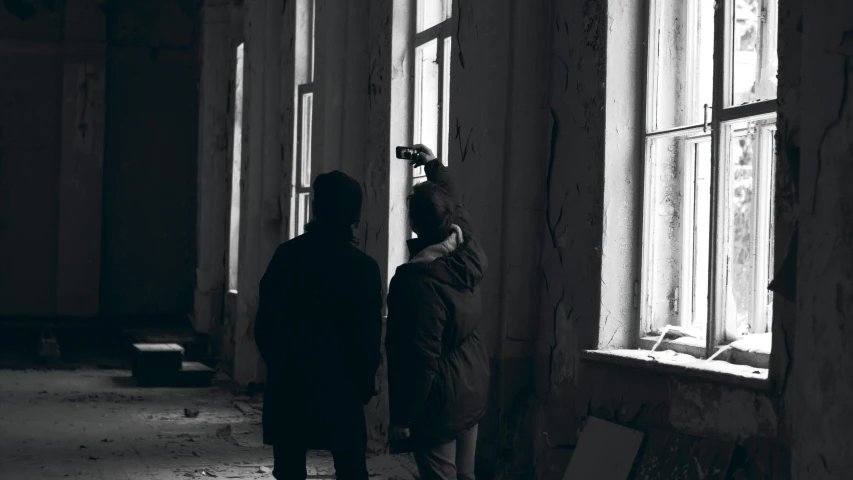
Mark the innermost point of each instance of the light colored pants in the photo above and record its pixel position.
(451, 461)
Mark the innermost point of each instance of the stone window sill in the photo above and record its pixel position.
(670, 362)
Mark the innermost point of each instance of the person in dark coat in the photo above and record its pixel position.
(318, 329)
(438, 368)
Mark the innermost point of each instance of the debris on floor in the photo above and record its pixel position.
(244, 407)
(133, 433)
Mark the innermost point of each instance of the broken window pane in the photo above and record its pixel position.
(754, 54)
(741, 228)
(748, 203)
(678, 231)
(432, 12)
(426, 96)
(681, 62)
(305, 147)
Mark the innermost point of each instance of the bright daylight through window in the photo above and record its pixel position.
(432, 80)
(709, 171)
(300, 209)
(236, 162)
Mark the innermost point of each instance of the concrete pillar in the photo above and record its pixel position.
(82, 160)
(247, 363)
(384, 180)
(480, 79)
(525, 173)
(351, 153)
(329, 77)
(623, 156)
(274, 155)
(525, 195)
(821, 382)
(213, 201)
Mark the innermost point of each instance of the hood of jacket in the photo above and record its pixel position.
(457, 261)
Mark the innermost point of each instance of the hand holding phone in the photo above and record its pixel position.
(419, 154)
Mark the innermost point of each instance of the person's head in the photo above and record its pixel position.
(337, 200)
(431, 212)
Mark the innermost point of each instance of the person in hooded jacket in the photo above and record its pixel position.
(438, 368)
(318, 329)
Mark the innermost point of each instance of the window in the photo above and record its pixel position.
(236, 162)
(709, 169)
(432, 80)
(300, 211)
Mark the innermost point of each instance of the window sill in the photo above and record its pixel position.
(680, 364)
(751, 350)
(686, 345)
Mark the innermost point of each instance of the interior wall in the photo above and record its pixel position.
(98, 158)
(822, 422)
(542, 203)
(30, 147)
(149, 250)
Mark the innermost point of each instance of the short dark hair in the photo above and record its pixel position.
(337, 199)
(431, 211)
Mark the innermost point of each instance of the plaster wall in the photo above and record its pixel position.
(99, 219)
(821, 422)
(545, 150)
(149, 212)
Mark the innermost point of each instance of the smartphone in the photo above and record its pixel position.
(406, 153)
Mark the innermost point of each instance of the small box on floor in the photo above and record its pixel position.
(195, 374)
(156, 364)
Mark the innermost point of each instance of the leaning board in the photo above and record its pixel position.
(605, 451)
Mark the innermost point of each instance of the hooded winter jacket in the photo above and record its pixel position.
(438, 368)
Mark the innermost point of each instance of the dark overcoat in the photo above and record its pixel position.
(318, 329)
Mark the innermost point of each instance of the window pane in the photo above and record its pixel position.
(677, 232)
(699, 251)
(445, 121)
(426, 96)
(302, 216)
(236, 162)
(768, 159)
(313, 28)
(749, 212)
(754, 56)
(682, 63)
(432, 12)
(305, 147)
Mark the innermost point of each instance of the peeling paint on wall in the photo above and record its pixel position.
(721, 412)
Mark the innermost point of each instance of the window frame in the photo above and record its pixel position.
(304, 140)
(721, 114)
(441, 33)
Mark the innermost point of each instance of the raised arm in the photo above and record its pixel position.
(437, 173)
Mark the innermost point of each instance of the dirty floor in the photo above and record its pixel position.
(96, 424)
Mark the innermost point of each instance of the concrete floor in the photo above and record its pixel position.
(97, 424)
